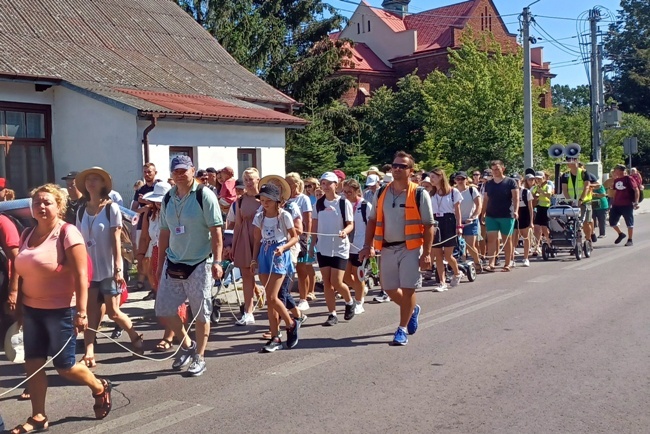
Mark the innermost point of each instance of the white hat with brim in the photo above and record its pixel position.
(14, 348)
(371, 170)
(387, 178)
(80, 180)
(160, 189)
(279, 181)
(329, 176)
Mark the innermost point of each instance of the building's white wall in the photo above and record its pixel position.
(216, 144)
(386, 43)
(87, 132)
(25, 93)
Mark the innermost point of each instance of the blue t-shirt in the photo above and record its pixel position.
(189, 225)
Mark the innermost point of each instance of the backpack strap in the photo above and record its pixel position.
(320, 205)
(166, 198)
(342, 208)
(80, 211)
(364, 211)
(199, 195)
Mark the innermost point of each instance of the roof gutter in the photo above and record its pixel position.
(145, 138)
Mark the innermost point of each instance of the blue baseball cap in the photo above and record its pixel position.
(181, 162)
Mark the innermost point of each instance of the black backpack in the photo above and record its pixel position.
(320, 206)
(198, 195)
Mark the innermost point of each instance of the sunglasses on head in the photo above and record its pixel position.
(400, 166)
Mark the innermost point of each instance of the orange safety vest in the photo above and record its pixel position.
(413, 228)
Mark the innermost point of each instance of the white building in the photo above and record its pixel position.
(118, 83)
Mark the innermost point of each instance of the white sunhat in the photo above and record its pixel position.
(387, 178)
(159, 191)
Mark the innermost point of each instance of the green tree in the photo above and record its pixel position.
(312, 151)
(571, 98)
(628, 47)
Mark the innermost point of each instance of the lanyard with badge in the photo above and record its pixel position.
(439, 200)
(90, 223)
(180, 229)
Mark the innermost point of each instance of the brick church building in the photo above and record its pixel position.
(390, 43)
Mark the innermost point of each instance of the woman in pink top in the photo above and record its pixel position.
(52, 301)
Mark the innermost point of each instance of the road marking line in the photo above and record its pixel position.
(467, 310)
(297, 365)
(542, 279)
(112, 424)
(169, 420)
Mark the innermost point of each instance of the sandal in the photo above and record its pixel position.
(25, 396)
(103, 401)
(506, 269)
(88, 361)
(37, 426)
(138, 345)
(267, 335)
(164, 345)
(489, 268)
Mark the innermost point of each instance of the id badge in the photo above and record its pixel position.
(180, 230)
(439, 214)
(90, 243)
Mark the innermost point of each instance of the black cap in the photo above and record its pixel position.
(201, 173)
(487, 173)
(70, 175)
(240, 184)
(211, 170)
(270, 191)
(461, 174)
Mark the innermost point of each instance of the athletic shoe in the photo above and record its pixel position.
(381, 298)
(197, 367)
(526, 263)
(365, 290)
(117, 332)
(150, 296)
(358, 309)
(303, 305)
(302, 319)
(601, 236)
(620, 238)
(594, 238)
(272, 345)
(331, 321)
(629, 243)
(455, 281)
(349, 311)
(400, 338)
(440, 287)
(184, 357)
(412, 326)
(292, 334)
(246, 319)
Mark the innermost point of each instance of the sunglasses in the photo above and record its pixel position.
(400, 166)
(309, 186)
(476, 174)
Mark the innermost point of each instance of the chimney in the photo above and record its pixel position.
(400, 7)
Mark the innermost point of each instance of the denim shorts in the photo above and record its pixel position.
(106, 287)
(269, 263)
(471, 229)
(46, 331)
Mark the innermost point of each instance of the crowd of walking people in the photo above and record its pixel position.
(273, 229)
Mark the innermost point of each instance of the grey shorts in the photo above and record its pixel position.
(586, 213)
(197, 289)
(400, 268)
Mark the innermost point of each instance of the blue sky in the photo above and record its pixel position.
(568, 70)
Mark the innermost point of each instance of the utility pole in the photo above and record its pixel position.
(596, 80)
(528, 99)
(601, 101)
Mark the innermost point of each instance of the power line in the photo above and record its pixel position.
(429, 12)
(560, 46)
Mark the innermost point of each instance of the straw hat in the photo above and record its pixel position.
(14, 349)
(371, 170)
(279, 181)
(80, 180)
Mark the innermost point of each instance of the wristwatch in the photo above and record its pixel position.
(82, 316)
(118, 270)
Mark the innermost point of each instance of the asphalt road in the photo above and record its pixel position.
(563, 346)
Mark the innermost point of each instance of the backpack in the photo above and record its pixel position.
(59, 241)
(19, 225)
(320, 206)
(198, 195)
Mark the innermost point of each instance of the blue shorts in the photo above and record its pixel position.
(471, 229)
(46, 331)
(269, 263)
(106, 287)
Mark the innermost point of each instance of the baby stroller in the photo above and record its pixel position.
(465, 266)
(565, 228)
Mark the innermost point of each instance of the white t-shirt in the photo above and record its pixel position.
(524, 194)
(303, 202)
(231, 213)
(467, 206)
(445, 204)
(330, 222)
(154, 235)
(359, 226)
(98, 236)
(273, 230)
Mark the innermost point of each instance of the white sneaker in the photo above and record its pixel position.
(303, 305)
(440, 287)
(455, 281)
(358, 309)
(526, 263)
(246, 319)
(513, 264)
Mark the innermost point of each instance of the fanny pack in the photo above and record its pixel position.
(179, 270)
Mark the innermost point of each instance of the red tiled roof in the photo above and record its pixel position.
(193, 106)
(364, 59)
(148, 45)
(434, 26)
(393, 21)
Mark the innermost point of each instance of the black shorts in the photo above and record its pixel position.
(446, 233)
(541, 216)
(354, 260)
(616, 212)
(523, 222)
(331, 262)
